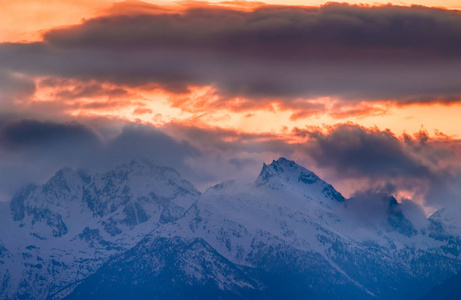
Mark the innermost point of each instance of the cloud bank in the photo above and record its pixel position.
(422, 168)
(270, 54)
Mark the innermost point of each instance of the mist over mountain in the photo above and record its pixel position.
(142, 231)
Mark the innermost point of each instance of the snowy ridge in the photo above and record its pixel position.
(65, 230)
(151, 232)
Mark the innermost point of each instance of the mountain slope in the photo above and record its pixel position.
(64, 230)
(291, 224)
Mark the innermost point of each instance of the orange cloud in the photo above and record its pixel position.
(202, 107)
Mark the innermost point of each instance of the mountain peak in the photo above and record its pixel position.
(284, 173)
(286, 169)
(283, 162)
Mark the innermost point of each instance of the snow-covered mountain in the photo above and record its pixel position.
(59, 233)
(141, 231)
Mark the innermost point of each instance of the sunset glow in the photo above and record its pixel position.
(200, 107)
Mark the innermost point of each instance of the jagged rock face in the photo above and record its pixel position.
(142, 231)
(135, 184)
(70, 226)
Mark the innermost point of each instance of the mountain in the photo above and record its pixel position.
(142, 231)
(63, 231)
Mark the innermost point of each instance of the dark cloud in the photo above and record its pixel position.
(146, 141)
(288, 55)
(357, 151)
(353, 158)
(32, 151)
(371, 161)
(31, 134)
(278, 31)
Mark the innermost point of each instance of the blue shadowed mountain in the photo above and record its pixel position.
(142, 231)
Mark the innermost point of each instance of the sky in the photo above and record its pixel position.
(367, 94)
